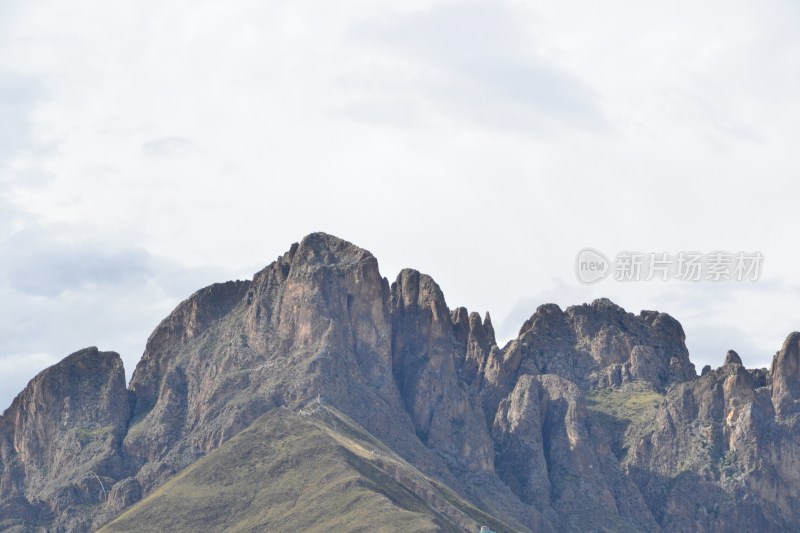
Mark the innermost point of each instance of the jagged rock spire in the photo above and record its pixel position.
(786, 376)
(732, 358)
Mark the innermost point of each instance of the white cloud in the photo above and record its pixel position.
(35, 263)
(18, 95)
(173, 146)
(472, 61)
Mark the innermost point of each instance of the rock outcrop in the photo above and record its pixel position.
(723, 451)
(600, 344)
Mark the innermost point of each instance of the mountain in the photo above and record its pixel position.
(319, 397)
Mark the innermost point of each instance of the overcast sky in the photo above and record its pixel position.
(150, 148)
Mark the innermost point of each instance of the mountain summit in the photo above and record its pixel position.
(318, 396)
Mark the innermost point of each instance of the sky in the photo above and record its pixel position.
(150, 148)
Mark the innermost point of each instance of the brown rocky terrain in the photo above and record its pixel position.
(592, 419)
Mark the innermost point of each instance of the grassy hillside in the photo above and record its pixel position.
(311, 472)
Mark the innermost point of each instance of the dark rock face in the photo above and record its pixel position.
(426, 357)
(516, 430)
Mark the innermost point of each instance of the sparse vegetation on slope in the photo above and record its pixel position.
(626, 412)
(317, 472)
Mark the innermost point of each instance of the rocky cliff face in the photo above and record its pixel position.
(556, 458)
(426, 359)
(723, 451)
(591, 419)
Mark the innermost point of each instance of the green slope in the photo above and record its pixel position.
(311, 472)
(627, 413)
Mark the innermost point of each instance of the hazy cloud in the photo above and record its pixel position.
(18, 96)
(709, 342)
(165, 147)
(475, 61)
(36, 265)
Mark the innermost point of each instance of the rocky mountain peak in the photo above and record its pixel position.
(605, 303)
(487, 325)
(59, 440)
(322, 249)
(314, 323)
(86, 389)
(732, 358)
(600, 344)
(546, 315)
(786, 376)
(414, 290)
